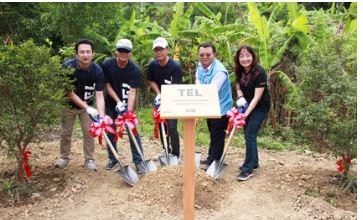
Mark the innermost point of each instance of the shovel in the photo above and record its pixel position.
(197, 158)
(146, 166)
(215, 169)
(167, 159)
(127, 174)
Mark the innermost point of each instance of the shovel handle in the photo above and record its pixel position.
(135, 142)
(165, 141)
(108, 142)
(111, 147)
(228, 142)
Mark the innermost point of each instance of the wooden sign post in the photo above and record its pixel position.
(189, 102)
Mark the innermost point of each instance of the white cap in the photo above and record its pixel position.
(160, 42)
(124, 44)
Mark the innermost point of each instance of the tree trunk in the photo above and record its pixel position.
(20, 170)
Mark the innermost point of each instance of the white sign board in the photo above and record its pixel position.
(187, 101)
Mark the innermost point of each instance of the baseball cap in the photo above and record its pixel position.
(160, 42)
(124, 44)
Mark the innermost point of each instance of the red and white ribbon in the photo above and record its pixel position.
(97, 129)
(157, 121)
(130, 119)
(235, 119)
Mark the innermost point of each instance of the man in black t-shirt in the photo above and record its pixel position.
(88, 81)
(122, 78)
(165, 71)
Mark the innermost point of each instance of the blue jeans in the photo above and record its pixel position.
(253, 124)
(136, 158)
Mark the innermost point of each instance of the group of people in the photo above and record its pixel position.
(120, 78)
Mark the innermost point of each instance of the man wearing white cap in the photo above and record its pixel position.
(165, 71)
(122, 78)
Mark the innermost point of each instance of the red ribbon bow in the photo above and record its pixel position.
(235, 118)
(157, 120)
(25, 156)
(97, 129)
(343, 163)
(130, 119)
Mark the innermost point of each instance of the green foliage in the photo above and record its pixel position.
(328, 101)
(8, 185)
(146, 123)
(21, 21)
(283, 34)
(32, 85)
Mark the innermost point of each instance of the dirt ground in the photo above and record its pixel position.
(288, 185)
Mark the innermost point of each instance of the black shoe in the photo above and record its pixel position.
(204, 162)
(138, 170)
(111, 165)
(243, 176)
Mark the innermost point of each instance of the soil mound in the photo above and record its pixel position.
(164, 190)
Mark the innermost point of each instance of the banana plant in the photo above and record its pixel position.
(275, 40)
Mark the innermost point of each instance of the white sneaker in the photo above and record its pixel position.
(61, 163)
(90, 164)
(156, 157)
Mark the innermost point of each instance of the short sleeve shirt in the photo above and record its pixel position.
(121, 79)
(249, 90)
(171, 73)
(86, 82)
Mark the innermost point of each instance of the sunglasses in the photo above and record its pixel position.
(121, 50)
(159, 49)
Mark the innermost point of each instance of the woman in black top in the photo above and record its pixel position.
(252, 92)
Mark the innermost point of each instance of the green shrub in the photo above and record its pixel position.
(32, 90)
(327, 110)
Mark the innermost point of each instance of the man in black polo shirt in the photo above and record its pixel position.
(122, 77)
(165, 71)
(88, 81)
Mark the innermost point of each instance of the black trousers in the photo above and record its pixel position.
(217, 133)
(172, 136)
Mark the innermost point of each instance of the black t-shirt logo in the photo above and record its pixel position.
(89, 92)
(125, 91)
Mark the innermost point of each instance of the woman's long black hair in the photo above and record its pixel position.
(242, 76)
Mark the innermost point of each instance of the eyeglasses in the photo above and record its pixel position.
(205, 55)
(121, 50)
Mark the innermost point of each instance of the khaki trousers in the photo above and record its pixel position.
(68, 117)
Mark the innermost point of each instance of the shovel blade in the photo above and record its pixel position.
(151, 166)
(147, 167)
(128, 175)
(169, 161)
(198, 156)
(216, 168)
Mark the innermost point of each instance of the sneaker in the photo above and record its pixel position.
(204, 161)
(61, 163)
(138, 170)
(204, 166)
(243, 176)
(90, 164)
(111, 165)
(156, 157)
